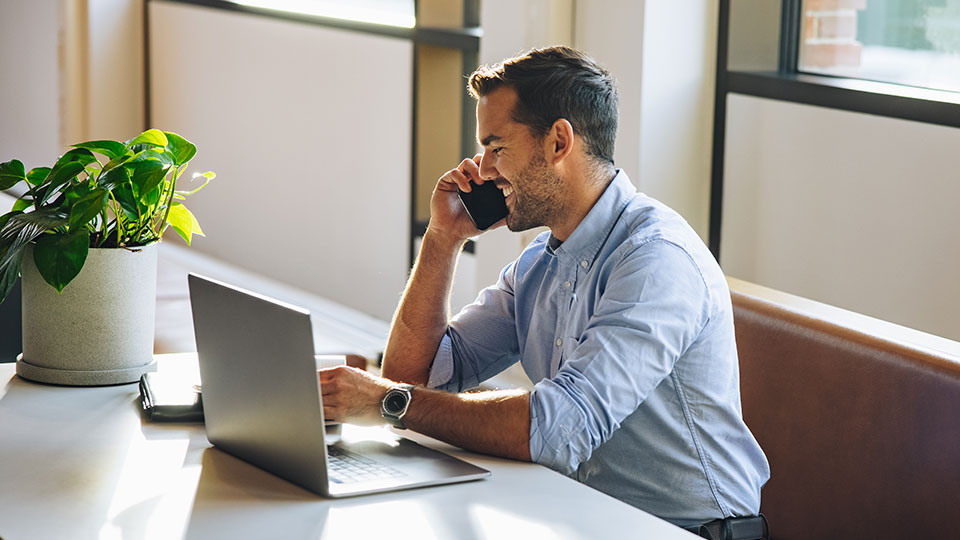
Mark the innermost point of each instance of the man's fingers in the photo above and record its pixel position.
(456, 178)
(329, 413)
(471, 169)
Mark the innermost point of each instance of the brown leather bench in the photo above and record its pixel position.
(859, 418)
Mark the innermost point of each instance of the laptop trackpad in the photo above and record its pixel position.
(419, 465)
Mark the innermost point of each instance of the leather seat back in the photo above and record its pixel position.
(862, 431)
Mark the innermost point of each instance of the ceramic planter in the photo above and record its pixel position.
(99, 331)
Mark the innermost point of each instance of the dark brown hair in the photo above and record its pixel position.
(554, 83)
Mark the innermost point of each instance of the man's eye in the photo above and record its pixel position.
(496, 150)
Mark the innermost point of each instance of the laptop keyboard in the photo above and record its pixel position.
(345, 467)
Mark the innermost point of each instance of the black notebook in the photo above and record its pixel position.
(170, 398)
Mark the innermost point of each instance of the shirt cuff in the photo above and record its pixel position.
(442, 368)
(556, 428)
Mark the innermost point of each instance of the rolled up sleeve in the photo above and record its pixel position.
(653, 308)
(480, 341)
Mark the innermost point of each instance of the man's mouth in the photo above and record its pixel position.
(508, 197)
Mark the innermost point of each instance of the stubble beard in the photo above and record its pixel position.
(537, 195)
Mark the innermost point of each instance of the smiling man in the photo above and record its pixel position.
(619, 314)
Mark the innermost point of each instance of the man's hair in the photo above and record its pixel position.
(554, 83)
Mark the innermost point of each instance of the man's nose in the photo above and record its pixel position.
(487, 169)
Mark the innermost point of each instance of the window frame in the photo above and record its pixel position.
(464, 38)
(789, 84)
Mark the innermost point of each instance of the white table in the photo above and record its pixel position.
(79, 463)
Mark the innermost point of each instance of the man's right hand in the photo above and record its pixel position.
(448, 217)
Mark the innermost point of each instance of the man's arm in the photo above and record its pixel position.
(421, 319)
(494, 422)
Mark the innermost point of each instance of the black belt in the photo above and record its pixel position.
(734, 528)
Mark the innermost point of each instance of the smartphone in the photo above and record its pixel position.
(485, 204)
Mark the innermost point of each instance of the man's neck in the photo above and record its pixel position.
(585, 192)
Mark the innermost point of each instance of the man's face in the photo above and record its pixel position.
(514, 159)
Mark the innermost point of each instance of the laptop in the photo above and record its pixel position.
(262, 403)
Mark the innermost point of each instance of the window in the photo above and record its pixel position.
(910, 42)
(387, 12)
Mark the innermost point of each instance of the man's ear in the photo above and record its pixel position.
(559, 141)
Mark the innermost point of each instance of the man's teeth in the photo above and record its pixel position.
(507, 190)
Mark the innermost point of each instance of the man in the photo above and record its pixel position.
(619, 314)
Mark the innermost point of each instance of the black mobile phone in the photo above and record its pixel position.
(485, 204)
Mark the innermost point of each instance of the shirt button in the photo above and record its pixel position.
(559, 342)
(584, 263)
(566, 284)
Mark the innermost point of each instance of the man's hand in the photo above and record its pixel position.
(447, 215)
(352, 395)
(495, 422)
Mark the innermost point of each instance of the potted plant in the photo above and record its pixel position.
(84, 238)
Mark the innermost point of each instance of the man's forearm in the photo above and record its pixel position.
(495, 422)
(421, 319)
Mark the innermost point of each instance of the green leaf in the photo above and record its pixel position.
(151, 197)
(37, 175)
(9, 275)
(75, 192)
(20, 229)
(183, 221)
(116, 162)
(182, 149)
(11, 173)
(153, 153)
(5, 218)
(114, 177)
(128, 203)
(77, 155)
(153, 137)
(146, 176)
(22, 204)
(45, 219)
(65, 169)
(87, 208)
(111, 149)
(92, 170)
(60, 257)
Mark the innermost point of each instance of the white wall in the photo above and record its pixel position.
(29, 100)
(614, 36)
(663, 55)
(854, 210)
(116, 80)
(73, 72)
(308, 129)
(676, 110)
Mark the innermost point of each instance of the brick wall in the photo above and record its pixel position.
(830, 33)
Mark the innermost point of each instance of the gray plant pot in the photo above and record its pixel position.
(99, 331)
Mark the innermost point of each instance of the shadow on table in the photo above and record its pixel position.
(235, 499)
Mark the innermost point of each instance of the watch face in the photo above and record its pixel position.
(395, 402)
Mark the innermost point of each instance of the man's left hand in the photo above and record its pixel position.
(352, 395)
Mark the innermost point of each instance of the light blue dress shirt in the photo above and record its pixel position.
(627, 330)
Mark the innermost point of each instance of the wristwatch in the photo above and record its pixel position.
(395, 403)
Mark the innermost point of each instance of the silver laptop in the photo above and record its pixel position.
(262, 402)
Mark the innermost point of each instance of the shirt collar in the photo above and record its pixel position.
(585, 241)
